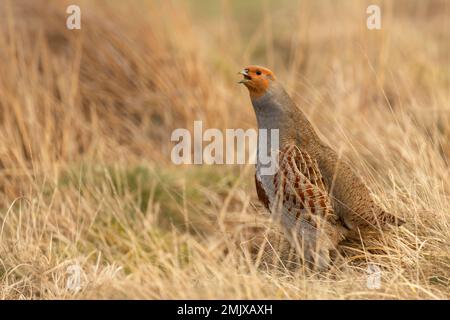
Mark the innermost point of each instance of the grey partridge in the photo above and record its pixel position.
(316, 195)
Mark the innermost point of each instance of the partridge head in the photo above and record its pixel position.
(257, 79)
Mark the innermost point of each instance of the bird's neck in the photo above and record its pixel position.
(268, 117)
(276, 110)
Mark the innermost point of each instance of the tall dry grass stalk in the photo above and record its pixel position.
(85, 124)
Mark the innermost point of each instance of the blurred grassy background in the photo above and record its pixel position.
(85, 124)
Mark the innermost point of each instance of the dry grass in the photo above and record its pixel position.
(85, 124)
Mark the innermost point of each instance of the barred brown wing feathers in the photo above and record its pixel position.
(302, 186)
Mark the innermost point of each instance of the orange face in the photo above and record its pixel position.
(257, 80)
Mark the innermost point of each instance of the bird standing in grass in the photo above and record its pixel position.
(316, 195)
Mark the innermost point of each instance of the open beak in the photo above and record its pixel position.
(246, 76)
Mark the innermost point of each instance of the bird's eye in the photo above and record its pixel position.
(258, 72)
